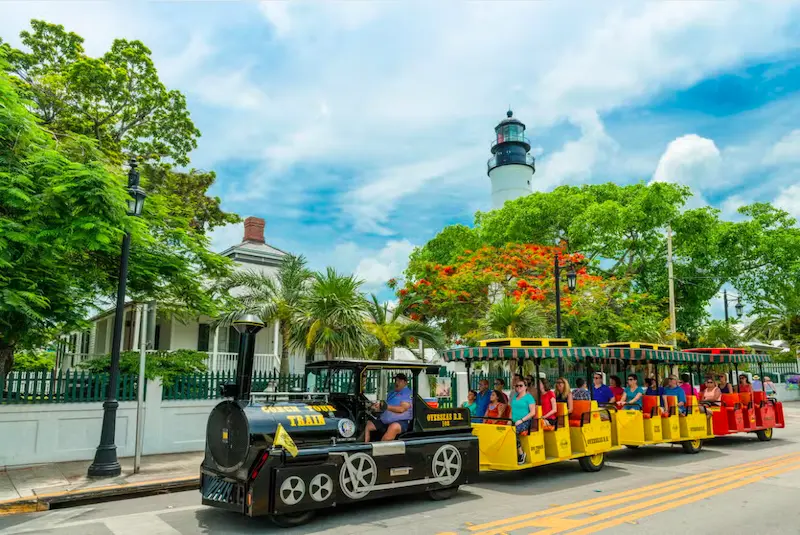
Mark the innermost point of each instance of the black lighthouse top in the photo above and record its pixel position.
(510, 145)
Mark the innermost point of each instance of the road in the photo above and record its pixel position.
(735, 486)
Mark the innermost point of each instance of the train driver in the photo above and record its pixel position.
(397, 416)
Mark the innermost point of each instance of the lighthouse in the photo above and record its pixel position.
(511, 166)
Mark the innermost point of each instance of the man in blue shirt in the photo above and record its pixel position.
(395, 419)
(674, 390)
(482, 399)
(601, 393)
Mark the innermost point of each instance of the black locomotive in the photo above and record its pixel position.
(251, 467)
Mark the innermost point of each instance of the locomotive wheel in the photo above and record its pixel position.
(290, 520)
(765, 435)
(692, 446)
(443, 494)
(592, 463)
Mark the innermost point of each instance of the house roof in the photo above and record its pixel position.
(250, 252)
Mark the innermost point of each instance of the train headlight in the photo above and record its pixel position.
(346, 428)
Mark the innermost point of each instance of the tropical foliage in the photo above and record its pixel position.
(392, 328)
(167, 366)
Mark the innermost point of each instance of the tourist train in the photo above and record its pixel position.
(287, 455)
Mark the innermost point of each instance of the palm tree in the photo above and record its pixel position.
(272, 299)
(514, 319)
(719, 333)
(393, 328)
(332, 315)
(778, 318)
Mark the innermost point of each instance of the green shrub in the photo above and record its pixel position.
(34, 361)
(168, 366)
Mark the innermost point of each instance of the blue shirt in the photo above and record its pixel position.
(482, 401)
(603, 394)
(630, 394)
(678, 393)
(520, 407)
(396, 398)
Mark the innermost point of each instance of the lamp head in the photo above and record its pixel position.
(248, 323)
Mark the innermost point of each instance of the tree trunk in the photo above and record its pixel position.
(284, 348)
(6, 362)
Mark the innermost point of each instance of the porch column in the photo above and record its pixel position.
(109, 328)
(92, 338)
(137, 321)
(78, 343)
(276, 337)
(215, 349)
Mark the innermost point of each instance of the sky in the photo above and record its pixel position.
(359, 130)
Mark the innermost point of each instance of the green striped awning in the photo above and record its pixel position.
(595, 354)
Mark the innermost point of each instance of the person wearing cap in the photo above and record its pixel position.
(757, 384)
(395, 419)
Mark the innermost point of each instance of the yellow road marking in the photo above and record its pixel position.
(672, 505)
(597, 503)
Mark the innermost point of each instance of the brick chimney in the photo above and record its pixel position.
(254, 229)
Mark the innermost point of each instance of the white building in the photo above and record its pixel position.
(168, 332)
(511, 166)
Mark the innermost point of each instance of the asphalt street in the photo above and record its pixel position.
(736, 485)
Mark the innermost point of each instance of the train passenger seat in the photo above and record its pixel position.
(729, 401)
(579, 407)
(649, 406)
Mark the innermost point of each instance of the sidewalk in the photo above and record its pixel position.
(34, 488)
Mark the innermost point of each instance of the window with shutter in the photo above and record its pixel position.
(202, 336)
(233, 340)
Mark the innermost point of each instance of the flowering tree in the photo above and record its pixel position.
(458, 296)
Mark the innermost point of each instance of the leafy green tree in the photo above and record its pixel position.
(277, 298)
(34, 361)
(56, 215)
(167, 366)
(719, 333)
(333, 316)
(777, 316)
(514, 318)
(393, 328)
(118, 99)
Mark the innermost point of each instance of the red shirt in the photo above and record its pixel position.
(548, 400)
(618, 391)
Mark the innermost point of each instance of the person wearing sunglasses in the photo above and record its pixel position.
(523, 411)
(563, 393)
(601, 393)
(711, 393)
(632, 395)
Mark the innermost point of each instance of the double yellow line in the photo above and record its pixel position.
(628, 506)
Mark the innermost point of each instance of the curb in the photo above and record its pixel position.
(42, 502)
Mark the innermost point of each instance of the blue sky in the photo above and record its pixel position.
(360, 129)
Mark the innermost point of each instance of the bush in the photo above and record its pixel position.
(168, 366)
(34, 361)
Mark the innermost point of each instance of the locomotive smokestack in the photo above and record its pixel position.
(247, 325)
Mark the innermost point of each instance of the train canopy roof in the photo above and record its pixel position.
(597, 354)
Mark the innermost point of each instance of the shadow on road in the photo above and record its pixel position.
(366, 517)
(663, 455)
(544, 479)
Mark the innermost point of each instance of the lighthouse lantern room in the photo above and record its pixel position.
(511, 166)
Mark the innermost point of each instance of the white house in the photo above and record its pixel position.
(167, 332)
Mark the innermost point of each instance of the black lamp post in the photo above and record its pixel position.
(739, 305)
(739, 308)
(105, 458)
(572, 282)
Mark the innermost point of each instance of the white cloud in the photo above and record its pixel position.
(730, 206)
(785, 151)
(226, 236)
(387, 263)
(578, 158)
(789, 200)
(690, 160)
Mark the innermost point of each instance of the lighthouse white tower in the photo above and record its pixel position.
(511, 166)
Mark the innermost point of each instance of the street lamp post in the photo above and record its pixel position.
(739, 307)
(572, 281)
(105, 462)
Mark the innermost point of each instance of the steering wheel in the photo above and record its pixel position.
(371, 410)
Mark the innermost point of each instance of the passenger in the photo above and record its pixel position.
(523, 411)
(496, 408)
(686, 384)
(500, 384)
(580, 392)
(654, 390)
(616, 387)
(564, 394)
(724, 386)
(744, 384)
(601, 393)
(483, 396)
(471, 403)
(712, 393)
(548, 402)
(674, 390)
(632, 396)
(395, 419)
(756, 384)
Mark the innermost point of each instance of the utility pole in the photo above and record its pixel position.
(725, 303)
(672, 325)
